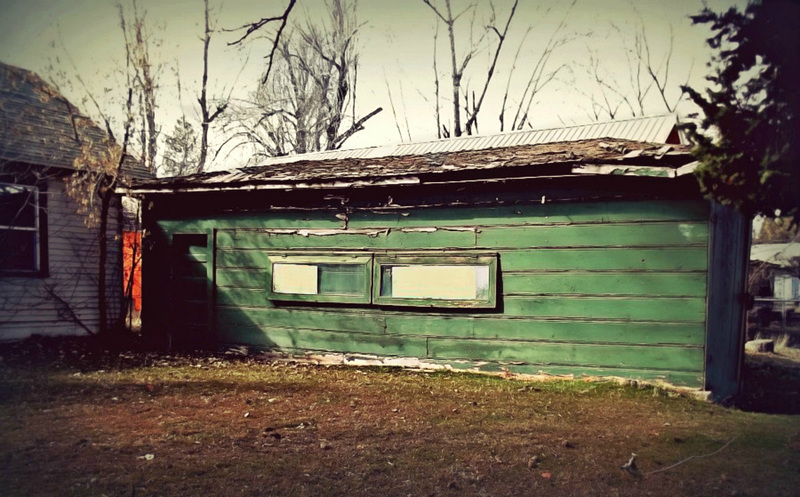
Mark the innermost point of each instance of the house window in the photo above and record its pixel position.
(436, 281)
(20, 236)
(320, 278)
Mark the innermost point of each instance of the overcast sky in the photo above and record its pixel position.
(396, 49)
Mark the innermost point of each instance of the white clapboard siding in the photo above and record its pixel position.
(27, 304)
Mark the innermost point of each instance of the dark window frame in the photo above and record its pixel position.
(489, 260)
(41, 267)
(319, 259)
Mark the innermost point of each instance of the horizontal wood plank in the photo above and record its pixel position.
(243, 278)
(595, 212)
(692, 379)
(290, 339)
(420, 324)
(283, 219)
(622, 235)
(247, 297)
(398, 240)
(604, 259)
(589, 331)
(645, 284)
(632, 309)
(253, 259)
(674, 358)
(353, 321)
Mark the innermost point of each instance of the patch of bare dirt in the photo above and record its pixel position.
(146, 424)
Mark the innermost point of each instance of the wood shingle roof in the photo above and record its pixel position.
(40, 126)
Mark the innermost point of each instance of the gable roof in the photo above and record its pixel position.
(39, 126)
(592, 156)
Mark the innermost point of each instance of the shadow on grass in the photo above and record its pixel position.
(770, 384)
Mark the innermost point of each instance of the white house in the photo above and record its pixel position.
(48, 255)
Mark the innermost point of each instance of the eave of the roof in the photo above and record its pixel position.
(584, 157)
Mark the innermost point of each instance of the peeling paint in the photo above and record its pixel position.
(325, 232)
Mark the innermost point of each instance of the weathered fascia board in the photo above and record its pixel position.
(628, 170)
(597, 169)
(322, 185)
(306, 232)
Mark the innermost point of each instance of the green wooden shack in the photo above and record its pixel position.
(556, 252)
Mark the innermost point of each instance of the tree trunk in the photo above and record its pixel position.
(201, 163)
(102, 303)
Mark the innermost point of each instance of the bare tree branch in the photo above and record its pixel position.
(255, 26)
(357, 126)
(207, 117)
(392, 107)
(501, 38)
(309, 103)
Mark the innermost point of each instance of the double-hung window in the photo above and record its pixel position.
(20, 238)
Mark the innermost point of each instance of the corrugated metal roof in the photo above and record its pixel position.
(653, 129)
(781, 254)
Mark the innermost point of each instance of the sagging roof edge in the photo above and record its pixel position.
(582, 170)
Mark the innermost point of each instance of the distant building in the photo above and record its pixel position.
(775, 281)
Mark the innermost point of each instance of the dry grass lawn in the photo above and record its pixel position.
(142, 425)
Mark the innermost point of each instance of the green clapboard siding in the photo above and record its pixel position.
(294, 339)
(243, 278)
(599, 212)
(596, 235)
(436, 325)
(355, 321)
(284, 219)
(392, 239)
(635, 309)
(601, 259)
(680, 378)
(603, 288)
(242, 259)
(651, 284)
(247, 297)
(589, 331)
(611, 356)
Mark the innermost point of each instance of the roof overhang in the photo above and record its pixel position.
(606, 157)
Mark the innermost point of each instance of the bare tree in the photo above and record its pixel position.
(472, 121)
(493, 36)
(308, 102)
(541, 74)
(645, 80)
(144, 79)
(98, 173)
(207, 115)
(457, 64)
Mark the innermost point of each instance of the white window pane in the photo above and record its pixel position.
(481, 281)
(435, 282)
(294, 278)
